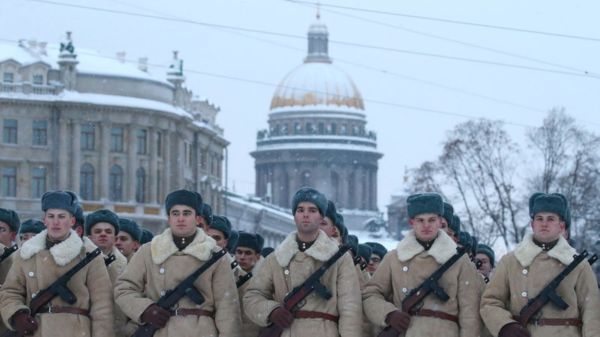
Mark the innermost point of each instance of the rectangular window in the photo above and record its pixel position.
(88, 136)
(8, 77)
(10, 131)
(38, 79)
(9, 182)
(40, 133)
(142, 138)
(116, 139)
(159, 144)
(38, 182)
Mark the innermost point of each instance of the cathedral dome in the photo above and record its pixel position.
(317, 82)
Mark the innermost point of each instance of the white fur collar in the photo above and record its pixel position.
(63, 252)
(526, 251)
(322, 249)
(442, 250)
(162, 246)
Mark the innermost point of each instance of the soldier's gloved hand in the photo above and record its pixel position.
(24, 323)
(281, 317)
(399, 320)
(513, 330)
(156, 316)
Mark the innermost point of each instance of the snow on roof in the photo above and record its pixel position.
(90, 61)
(100, 99)
(311, 137)
(259, 205)
(317, 146)
(318, 108)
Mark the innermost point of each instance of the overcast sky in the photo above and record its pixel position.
(411, 99)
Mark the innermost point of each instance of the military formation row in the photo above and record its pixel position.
(201, 278)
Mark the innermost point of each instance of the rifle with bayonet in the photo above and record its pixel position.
(430, 285)
(548, 294)
(299, 293)
(57, 288)
(8, 252)
(185, 288)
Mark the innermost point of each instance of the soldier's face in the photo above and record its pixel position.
(183, 220)
(327, 226)
(103, 235)
(58, 222)
(202, 223)
(547, 226)
(7, 236)
(373, 263)
(486, 265)
(307, 218)
(218, 236)
(126, 244)
(25, 237)
(246, 258)
(426, 226)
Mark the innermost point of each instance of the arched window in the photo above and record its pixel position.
(116, 183)
(140, 185)
(86, 184)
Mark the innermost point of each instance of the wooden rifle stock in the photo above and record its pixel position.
(298, 294)
(430, 285)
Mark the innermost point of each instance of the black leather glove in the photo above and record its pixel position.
(156, 316)
(399, 320)
(24, 323)
(281, 317)
(513, 330)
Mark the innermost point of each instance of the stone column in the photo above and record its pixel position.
(166, 182)
(76, 157)
(63, 154)
(131, 164)
(151, 176)
(104, 160)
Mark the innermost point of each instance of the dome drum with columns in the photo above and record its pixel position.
(317, 136)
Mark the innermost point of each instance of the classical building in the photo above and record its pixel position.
(317, 137)
(105, 128)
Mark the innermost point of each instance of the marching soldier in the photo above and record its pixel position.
(292, 263)
(29, 229)
(485, 258)
(206, 215)
(165, 262)
(220, 230)
(378, 252)
(9, 226)
(247, 254)
(525, 272)
(146, 237)
(40, 262)
(101, 227)
(447, 218)
(423, 251)
(128, 237)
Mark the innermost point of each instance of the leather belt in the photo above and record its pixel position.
(555, 321)
(54, 309)
(436, 314)
(316, 314)
(192, 312)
